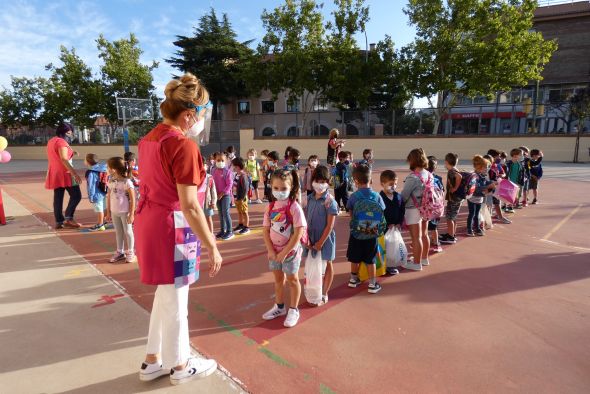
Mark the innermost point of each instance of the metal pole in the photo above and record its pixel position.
(535, 98)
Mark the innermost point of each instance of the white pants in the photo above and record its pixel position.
(168, 333)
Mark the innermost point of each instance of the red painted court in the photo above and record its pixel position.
(503, 313)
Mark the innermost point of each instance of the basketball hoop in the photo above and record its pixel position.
(130, 110)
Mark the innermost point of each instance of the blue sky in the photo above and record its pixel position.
(32, 31)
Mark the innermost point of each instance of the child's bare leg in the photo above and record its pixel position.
(354, 268)
(279, 286)
(425, 240)
(328, 278)
(416, 242)
(246, 219)
(372, 271)
(210, 223)
(294, 290)
(451, 227)
(100, 218)
(498, 211)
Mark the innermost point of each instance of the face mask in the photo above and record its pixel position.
(250, 157)
(281, 196)
(196, 129)
(347, 162)
(263, 157)
(391, 189)
(220, 164)
(231, 156)
(320, 187)
(313, 163)
(271, 164)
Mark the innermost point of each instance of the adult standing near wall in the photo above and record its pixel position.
(170, 229)
(334, 146)
(62, 177)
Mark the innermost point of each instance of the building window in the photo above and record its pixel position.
(268, 132)
(243, 107)
(321, 104)
(292, 105)
(292, 131)
(268, 107)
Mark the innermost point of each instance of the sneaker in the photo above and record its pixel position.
(153, 371)
(410, 265)
(292, 318)
(227, 236)
(505, 221)
(448, 239)
(391, 271)
(59, 226)
(425, 262)
(354, 282)
(238, 228)
(534, 201)
(244, 230)
(480, 233)
(470, 233)
(259, 201)
(374, 288)
(509, 210)
(71, 224)
(117, 256)
(97, 227)
(130, 258)
(196, 368)
(274, 312)
(437, 249)
(518, 206)
(220, 234)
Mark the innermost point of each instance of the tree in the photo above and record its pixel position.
(580, 108)
(122, 74)
(291, 56)
(72, 92)
(214, 55)
(22, 105)
(473, 47)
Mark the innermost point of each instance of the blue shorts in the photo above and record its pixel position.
(209, 212)
(98, 205)
(290, 265)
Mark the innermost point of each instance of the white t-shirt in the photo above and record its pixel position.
(119, 196)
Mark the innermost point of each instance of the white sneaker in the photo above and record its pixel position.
(425, 262)
(410, 265)
(292, 318)
(274, 312)
(153, 371)
(196, 368)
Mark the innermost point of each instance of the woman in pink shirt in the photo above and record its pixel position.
(62, 177)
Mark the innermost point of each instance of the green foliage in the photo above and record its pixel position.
(96, 137)
(214, 55)
(580, 108)
(22, 104)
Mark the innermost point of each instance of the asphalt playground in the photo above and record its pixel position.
(508, 312)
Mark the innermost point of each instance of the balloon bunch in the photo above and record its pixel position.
(4, 154)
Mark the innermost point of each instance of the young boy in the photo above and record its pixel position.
(243, 187)
(395, 208)
(433, 224)
(341, 179)
(272, 164)
(222, 177)
(312, 164)
(454, 201)
(536, 173)
(294, 155)
(254, 172)
(367, 158)
(524, 190)
(367, 224)
(515, 172)
(96, 180)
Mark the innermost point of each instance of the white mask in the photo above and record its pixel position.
(220, 164)
(281, 196)
(250, 157)
(392, 189)
(313, 163)
(196, 129)
(320, 187)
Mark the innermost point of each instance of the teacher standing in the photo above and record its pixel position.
(334, 146)
(170, 229)
(62, 178)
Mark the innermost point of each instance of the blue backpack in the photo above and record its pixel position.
(368, 220)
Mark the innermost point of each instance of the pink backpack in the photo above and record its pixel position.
(433, 199)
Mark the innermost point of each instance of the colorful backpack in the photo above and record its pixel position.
(368, 220)
(102, 180)
(286, 210)
(468, 184)
(432, 205)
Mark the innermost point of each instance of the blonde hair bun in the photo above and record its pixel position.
(181, 91)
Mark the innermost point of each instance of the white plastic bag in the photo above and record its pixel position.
(312, 286)
(395, 248)
(487, 217)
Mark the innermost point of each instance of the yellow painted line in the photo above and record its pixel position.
(75, 272)
(566, 246)
(561, 223)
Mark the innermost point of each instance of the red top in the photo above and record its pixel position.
(167, 158)
(57, 175)
(180, 156)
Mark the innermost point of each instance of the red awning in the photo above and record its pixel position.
(485, 115)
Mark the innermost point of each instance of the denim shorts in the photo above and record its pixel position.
(290, 265)
(208, 212)
(98, 205)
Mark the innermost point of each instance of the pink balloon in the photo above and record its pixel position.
(5, 156)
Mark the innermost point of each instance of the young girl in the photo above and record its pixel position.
(412, 197)
(284, 224)
(312, 163)
(475, 202)
(321, 214)
(253, 170)
(121, 208)
(210, 197)
(223, 178)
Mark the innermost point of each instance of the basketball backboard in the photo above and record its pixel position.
(132, 109)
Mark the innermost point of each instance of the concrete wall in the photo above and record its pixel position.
(558, 148)
(39, 152)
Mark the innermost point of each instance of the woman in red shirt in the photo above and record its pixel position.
(170, 228)
(62, 177)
